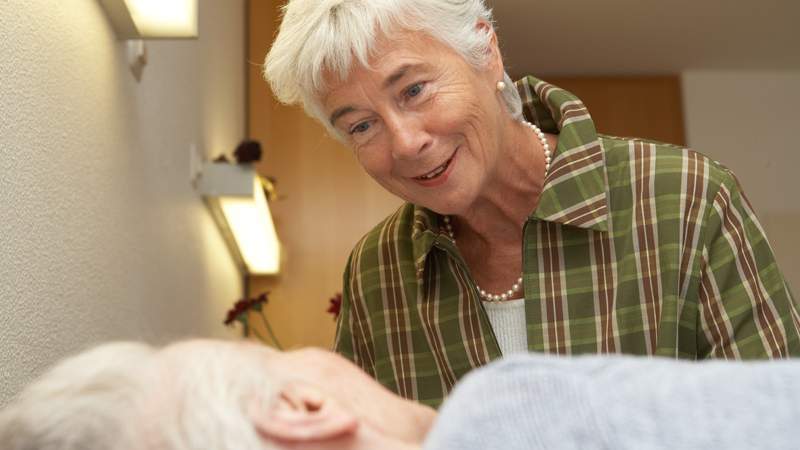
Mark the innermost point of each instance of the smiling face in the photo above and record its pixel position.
(423, 122)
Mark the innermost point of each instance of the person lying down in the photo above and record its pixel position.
(204, 394)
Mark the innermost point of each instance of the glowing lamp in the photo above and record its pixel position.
(236, 198)
(153, 19)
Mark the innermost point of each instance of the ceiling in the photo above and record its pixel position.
(619, 37)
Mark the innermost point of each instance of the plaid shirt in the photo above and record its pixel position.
(636, 247)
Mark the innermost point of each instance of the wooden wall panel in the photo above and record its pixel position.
(644, 106)
(329, 202)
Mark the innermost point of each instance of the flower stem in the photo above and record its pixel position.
(259, 336)
(269, 330)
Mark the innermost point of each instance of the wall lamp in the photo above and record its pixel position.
(153, 19)
(235, 195)
(134, 20)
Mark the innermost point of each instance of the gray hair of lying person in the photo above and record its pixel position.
(114, 398)
(319, 37)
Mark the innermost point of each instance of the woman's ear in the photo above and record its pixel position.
(495, 58)
(303, 413)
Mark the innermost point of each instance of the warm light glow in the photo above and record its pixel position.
(164, 18)
(251, 224)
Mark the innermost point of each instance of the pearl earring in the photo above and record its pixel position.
(501, 85)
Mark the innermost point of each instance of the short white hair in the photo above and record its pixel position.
(116, 397)
(318, 37)
(82, 403)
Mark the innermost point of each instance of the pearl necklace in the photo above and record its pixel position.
(486, 296)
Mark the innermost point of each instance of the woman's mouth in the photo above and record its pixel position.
(435, 172)
(437, 175)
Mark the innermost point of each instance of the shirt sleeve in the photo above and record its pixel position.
(352, 339)
(745, 307)
(343, 340)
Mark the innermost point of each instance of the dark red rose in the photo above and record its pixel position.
(335, 305)
(240, 308)
(259, 302)
(235, 313)
(231, 317)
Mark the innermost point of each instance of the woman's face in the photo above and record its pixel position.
(422, 121)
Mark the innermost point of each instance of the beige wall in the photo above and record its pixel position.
(102, 235)
(749, 122)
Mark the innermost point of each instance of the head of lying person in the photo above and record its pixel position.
(205, 394)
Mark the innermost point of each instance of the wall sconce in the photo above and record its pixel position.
(134, 20)
(153, 19)
(235, 196)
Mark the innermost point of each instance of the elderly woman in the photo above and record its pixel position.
(524, 229)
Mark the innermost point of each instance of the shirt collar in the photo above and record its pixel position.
(576, 187)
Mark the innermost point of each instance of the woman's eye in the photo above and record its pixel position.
(414, 90)
(360, 128)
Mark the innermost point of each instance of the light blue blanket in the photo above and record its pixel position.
(618, 402)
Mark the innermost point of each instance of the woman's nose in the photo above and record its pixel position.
(409, 138)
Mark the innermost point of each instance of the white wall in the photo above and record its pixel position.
(750, 122)
(102, 235)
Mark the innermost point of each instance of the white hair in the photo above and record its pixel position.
(318, 37)
(81, 403)
(118, 397)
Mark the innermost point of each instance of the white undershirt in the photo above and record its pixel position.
(508, 321)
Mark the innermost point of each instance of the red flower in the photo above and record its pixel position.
(259, 302)
(240, 308)
(230, 317)
(335, 305)
(239, 313)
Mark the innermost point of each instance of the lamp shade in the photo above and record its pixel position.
(235, 195)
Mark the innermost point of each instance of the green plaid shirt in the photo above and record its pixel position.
(636, 247)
